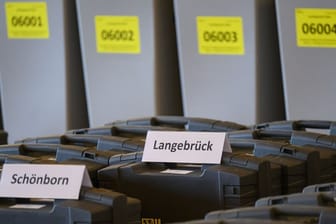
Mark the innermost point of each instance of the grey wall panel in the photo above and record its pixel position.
(123, 85)
(244, 88)
(37, 98)
(308, 72)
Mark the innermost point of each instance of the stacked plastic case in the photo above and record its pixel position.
(265, 162)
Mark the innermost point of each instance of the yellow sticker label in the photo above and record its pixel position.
(27, 20)
(118, 34)
(220, 35)
(315, 27)
(150, 221)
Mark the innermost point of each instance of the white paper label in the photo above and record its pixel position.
(181, 172)
(185, 147)
(43, 181)
(27, 206)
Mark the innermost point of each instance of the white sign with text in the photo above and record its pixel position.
(185, 147)
(43, 181)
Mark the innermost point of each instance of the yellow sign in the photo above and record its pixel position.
(150, 221)
(220, 35)
(315, 27)
(27, 20)
(118, 34)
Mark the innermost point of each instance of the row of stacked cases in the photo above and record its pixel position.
(315, 204)
(269, 159)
